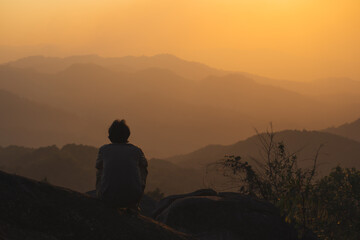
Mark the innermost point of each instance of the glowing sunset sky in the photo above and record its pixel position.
(293, 39)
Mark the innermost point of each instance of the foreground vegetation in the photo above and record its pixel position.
(327, 206)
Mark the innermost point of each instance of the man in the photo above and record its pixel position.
(121, 169)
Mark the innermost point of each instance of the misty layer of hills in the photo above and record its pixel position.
(190, 70)
(334, 150)
(172, 106)
(27, 123)
(349, 130)
(73, 166)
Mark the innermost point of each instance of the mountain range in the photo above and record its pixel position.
(187, 69)
(350, 130)
(73, 166)
(334, 150)
(173, 106)
(27, 123)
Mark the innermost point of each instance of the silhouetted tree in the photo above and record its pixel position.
(336, 208)
(275, 178)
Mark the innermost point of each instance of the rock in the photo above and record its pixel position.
(37, 210)
(218, 216)
(147, 204)
(165, 202)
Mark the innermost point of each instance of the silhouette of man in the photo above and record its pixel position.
(121, 169)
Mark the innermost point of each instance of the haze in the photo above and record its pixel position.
(289, 39)
(184, 74)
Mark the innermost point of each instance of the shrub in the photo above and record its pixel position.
(276, 178)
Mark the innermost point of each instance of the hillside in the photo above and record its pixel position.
(336, 150)
(172, 179)
(142, 98)
(187, 69)
(73, 166)
(323, 87)
(350, 130)
(35, 210)
(339, 94)
(158, 102)
(25, 122)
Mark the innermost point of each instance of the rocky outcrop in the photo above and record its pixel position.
(214, 216)
(36, 210)
(147, 205)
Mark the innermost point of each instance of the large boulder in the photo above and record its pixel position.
(36, 210)
(147, 204)
(219, 216)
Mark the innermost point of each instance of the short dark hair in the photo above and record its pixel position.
(119, 132)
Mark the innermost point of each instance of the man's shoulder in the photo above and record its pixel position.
(136, 148)
(128, 145)
(104, 147)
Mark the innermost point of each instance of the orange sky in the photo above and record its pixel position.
(293, 39)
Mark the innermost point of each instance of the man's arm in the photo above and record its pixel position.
(99, 169)
(143, 164)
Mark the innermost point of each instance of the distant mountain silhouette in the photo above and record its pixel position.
(172, 179)
(323, 87)
(73, 166)
(343, 92)
(337, 150)
(349, 130)
(25, 122)
(157, 100)
(187, 69)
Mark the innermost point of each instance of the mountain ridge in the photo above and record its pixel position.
(189, 69)
(336, 150)
(350, 130)
(160, 102)
(30, 123)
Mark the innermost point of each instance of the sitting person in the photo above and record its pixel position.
(121, 169)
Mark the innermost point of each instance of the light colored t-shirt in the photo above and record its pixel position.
(121, 172)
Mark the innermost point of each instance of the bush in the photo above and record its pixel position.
(336, 209)
(329, 206)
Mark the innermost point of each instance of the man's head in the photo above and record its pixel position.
(119, 132)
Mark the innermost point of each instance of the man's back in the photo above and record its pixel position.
(121, 176)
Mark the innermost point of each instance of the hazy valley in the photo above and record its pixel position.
(173, 106)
